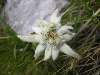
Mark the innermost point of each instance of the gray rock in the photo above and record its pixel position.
(22, 14)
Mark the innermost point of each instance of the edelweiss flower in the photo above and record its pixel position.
(51, 37)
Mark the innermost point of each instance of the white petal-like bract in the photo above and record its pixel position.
(69, 51)
(64, 29)
(55, 53)
(54, 18)
(37, 30)
(48, 53)
(40, 48)
(67, 37)
(30, 38)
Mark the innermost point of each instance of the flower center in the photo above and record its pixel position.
(52, 37)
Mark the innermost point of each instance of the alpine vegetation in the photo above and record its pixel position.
(51, 37)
